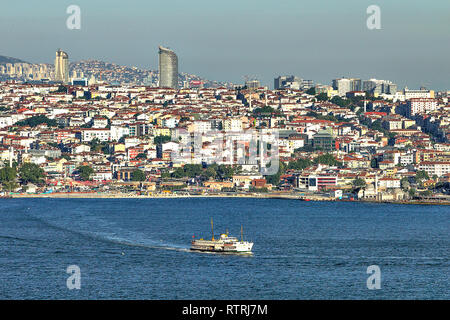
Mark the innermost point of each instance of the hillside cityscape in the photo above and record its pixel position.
(94, 71)
(92, 127)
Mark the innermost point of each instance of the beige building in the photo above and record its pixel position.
(62, 66)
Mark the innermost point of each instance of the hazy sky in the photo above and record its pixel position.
(226, 40)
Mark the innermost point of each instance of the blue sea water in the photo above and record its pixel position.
(139, 249)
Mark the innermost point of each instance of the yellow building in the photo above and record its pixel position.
(161, 132)
(331, 93)
(119, 147)
(56, 165)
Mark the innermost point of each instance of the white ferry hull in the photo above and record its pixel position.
(218, 246)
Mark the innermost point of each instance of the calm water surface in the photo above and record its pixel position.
(138, 249)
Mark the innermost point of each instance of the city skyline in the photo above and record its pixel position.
(306, 83)
(264, 39)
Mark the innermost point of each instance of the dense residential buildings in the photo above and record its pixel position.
(194, 139)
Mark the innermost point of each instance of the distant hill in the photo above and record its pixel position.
(5, 60)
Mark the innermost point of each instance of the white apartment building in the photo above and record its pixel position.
(202, 126)
(91, 134)
(388, 183)
(5, 121)
(344, 85)
(411, 94)
(118, 132)
(406, 158)
(232, 124)
(420, 105)
(435, 168)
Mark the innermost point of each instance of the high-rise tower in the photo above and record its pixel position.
(62, 66)
(168, 68)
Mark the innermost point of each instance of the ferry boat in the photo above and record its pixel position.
(225, 243)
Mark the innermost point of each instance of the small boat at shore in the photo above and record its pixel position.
(224, 244)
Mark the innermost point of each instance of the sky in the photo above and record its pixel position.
(226, 40)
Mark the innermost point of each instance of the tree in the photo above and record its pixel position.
(319, 116)
(274, 179)
(138, 175)
(30, 172)
(300, 164)
(211, 172)
(85, 172)
(322, 96)
(266, 110)
(61, 89)
(426, 193)
(358, 182)
(37, 120)
(122, 139)
(7, 174)
(422, 175)
(161, 139)
(177, 174)
(327, 159)
(141, 156)
(8, 178)
(404, 183)
(343, 103)
(226, 171)
(193, 170)
(311, 91)
(374, 163)
(307, 148)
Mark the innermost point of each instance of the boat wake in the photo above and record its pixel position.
(109, 232)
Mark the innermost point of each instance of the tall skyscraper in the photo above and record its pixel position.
(62, 66)
(168, 68)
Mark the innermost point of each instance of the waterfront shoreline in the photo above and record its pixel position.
(94, 195)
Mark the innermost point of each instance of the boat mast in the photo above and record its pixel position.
(212, 229)
(242, 234)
